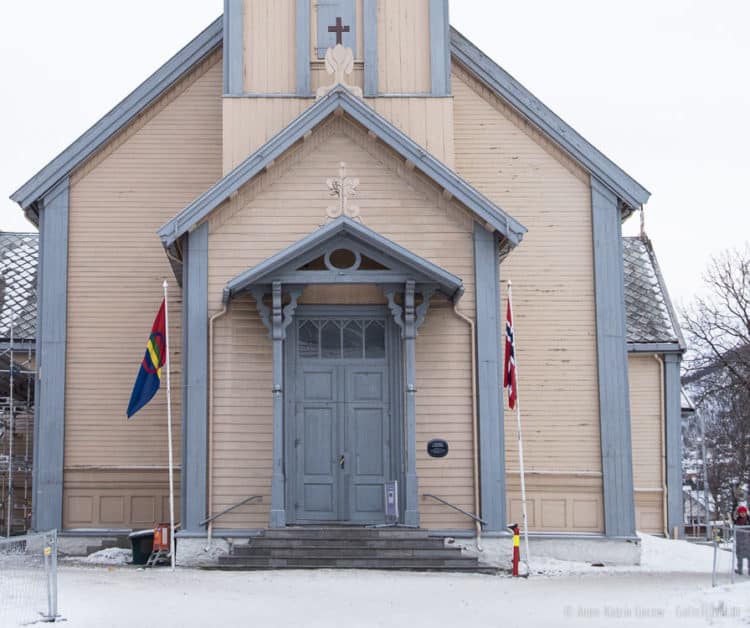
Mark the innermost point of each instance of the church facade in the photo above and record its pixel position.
(339, 194)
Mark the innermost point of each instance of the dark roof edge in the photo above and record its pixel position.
(541, 116)
(340, 98)
(663, 286)
(140, 98)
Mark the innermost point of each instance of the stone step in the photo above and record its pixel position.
(343, 532)
(262, 542)
(342, 553)
(463, 564)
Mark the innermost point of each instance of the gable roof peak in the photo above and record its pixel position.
(339, 99)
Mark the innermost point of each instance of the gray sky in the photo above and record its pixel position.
(660, 87)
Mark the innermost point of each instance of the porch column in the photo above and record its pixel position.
(411, 516)
(195, 381)
(278, 507)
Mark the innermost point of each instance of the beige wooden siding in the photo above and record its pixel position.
(270, 46)
(646, 408)
(251, 122)
(427, 121)
(283, 205)
(404, 46)
(553, 289)
(118, 200)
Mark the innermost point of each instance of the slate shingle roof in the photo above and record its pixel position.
(648, 309)
(19, 253)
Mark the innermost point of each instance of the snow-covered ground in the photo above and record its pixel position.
(672, 588)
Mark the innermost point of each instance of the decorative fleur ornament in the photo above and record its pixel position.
(339, 64)
(344, 189)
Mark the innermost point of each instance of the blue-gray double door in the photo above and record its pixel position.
(341, 436)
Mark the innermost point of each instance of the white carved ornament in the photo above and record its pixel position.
(339, 64)
(344, 189)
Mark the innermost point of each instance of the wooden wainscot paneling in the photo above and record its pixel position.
(557, 502)
(646, 423)
(116, 499)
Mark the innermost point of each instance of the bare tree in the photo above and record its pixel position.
(717, 326)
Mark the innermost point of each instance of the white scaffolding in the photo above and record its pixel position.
(17, 379)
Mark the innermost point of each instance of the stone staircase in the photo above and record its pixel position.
(348, 548)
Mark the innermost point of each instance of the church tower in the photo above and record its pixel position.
(275, 64)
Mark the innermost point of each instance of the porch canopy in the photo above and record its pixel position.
(345, 252)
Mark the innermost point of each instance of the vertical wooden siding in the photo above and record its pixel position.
(553, 288)
(284, 205)
(116, 265)
(251, 122)
(646, 408)
(404, 46)
(270, 46)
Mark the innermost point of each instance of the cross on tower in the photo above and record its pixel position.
(339, 29)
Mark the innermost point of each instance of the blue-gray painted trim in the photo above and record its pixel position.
(673, 442)
(654, 347)
(531, 108)
(49, 426)
(269, 270)
(153, 87)
(440, 58)
(278, 478)
(341, 98)
(370, 45)
(195, 414)
(184, 427)
(490, 406)
(304, 47)
(612, 363)
(234, 47)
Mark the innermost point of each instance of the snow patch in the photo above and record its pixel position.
(109, 556)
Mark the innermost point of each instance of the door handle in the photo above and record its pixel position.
(342, 460)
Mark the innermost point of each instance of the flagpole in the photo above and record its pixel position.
(520, 436)
(168, 366)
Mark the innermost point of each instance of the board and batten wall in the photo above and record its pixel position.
(504, 157)
(115, 471)
(280, 207)
(646, 376)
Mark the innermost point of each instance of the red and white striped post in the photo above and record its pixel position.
(516, 548)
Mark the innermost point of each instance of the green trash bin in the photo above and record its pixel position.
(142, 542)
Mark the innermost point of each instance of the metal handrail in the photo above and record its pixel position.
(461, 510)
(226, 510)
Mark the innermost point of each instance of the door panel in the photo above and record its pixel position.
(317, 443)
(368, 439)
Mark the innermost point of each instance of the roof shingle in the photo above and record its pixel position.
(648, 309)
(19, 253)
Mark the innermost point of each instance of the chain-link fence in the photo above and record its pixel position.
(731, 551)
(28, 579)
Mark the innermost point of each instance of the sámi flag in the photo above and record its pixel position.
(149, 376)
(509, 379)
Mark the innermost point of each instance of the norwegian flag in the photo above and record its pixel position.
(509, 379)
